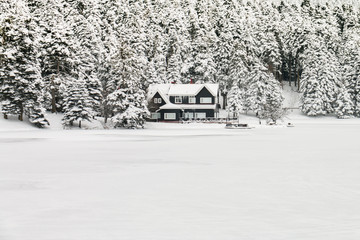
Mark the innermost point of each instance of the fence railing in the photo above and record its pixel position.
(208, 120)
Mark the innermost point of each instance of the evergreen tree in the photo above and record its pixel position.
(264, 92)
(352, 76)
(343, 105)
(82, 19)
(350, 60)
(237, 102)
(59, 62)
(320, 80)
(77, 105)
(129, 107)
(129, 92)
(20, 91)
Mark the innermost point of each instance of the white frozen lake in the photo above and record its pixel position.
(182, 182)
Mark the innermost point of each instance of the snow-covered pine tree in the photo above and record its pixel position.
(157, 38)
(59, 62)
(127, 103)
(88, 55)
(237, 102)
(21, 88)
(352, 78)
(77, 105)
(156, 71)
(94, 88)
(343, 106)
(174, 67)
(129, 107)
(267, 44)
(264, 92)
(227, 30)
(320, 79)
(203, 38)
(350, 59)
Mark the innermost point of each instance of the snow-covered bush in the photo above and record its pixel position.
(133, 117)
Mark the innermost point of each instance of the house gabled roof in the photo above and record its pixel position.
(162, 89)
(188, 106)
(191, 89)
(166, 90)
(170, 106)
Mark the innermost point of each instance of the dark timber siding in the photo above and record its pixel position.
(204, 93)
(155, 106)
(185, 100)
(209, 112)
(177, 111)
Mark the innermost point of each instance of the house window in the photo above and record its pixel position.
(170, 116)
(192, 99)
(205, 100)
(200, 115)
(155, 115)
(189, 115)
(157, 100)
(178, 99)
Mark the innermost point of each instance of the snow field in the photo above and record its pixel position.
(182, 181)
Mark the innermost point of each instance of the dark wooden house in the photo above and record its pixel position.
(174, 102)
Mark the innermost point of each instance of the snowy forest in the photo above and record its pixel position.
(96, 58)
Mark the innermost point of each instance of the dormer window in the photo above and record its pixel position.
(178, 99)
(206, 100)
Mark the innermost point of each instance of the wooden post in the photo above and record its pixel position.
(224, 100)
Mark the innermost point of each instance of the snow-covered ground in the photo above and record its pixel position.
(182, 182)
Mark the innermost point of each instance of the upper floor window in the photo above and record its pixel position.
(157, 100)
(192, 99)
(205, 100)
(178, 99)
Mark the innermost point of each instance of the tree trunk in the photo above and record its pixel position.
(21, 118)
(53, 103)
(290, 71)
(105, 115)
(296, 67)
(5, 116)
(298, 80)
(79, 124)
(53, 93)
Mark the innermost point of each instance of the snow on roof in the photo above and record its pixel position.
(170, 106)
(198, 106)
(181, 89)
(162, 89)
(185, 89)
(213, 88)
(191, 89)
(188, 106)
